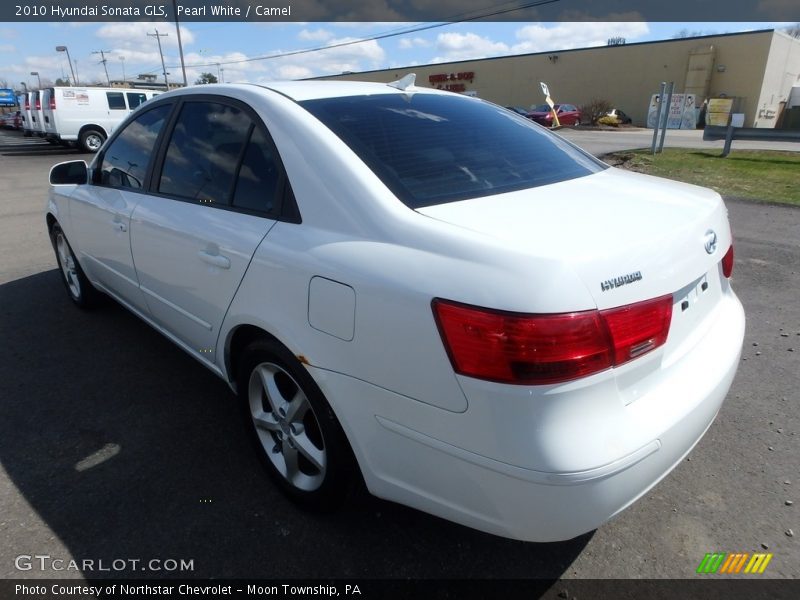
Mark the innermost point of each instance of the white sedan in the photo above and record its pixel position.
(416, 288)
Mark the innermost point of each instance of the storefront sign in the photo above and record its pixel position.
(452, 82)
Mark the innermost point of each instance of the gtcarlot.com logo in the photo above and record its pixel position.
(45, 562)
(734, 563)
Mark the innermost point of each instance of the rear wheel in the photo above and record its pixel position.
(80, 290)
(91, 140)
(296, 434)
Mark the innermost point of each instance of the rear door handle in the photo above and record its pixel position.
(120, 226)
(223, 262)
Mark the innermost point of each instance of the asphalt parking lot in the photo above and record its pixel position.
(116, 445)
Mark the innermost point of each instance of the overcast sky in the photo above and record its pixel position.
(30, 47)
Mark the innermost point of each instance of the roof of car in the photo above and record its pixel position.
(312, 90)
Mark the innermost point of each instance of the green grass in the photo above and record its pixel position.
(764, 175)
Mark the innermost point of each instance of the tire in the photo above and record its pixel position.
(295, 433)
(91, 140)
(82, 293)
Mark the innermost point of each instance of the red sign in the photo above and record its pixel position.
(444, 77)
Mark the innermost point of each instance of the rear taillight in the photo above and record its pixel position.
(638, 328)
(52, 102)
(27, 103)
(38, 105)
(727, 262)
(549, 348)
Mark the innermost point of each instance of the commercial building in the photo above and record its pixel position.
(755, 69)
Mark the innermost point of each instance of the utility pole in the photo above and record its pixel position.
(122, 58)
(180, 45)
(158, 37)
(103, 60)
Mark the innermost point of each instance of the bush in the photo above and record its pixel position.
(608, 120)
(595, 109)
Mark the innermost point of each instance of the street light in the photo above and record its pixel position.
(37, 77)
(64, 49)
(122, 58)
(24, 85)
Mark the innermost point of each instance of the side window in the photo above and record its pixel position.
(135, 99)
(116, 100)
(203, 152)
(125, 160)
(259, 175)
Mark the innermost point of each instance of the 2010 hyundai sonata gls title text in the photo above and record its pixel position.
(419, 288)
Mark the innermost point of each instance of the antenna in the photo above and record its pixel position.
(404, 82)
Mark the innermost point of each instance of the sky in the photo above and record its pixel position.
(27, 47)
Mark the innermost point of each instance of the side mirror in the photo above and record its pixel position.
(72, 172)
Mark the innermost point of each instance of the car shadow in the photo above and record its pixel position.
(126, 448)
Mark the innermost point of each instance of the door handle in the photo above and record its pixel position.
(120, 226)
(215, 259)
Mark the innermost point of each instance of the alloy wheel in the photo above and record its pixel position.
(67, 262)
(287, 427)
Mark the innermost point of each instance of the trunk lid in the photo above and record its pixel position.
(628, 236)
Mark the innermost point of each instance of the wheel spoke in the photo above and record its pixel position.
(270, 386)
(297, 407)
(290, 458)
(313, 454)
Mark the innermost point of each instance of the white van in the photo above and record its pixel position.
(88, 115)
(32, 116)
(25, 107)
(37, 115)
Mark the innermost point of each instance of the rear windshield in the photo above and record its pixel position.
(432, 149)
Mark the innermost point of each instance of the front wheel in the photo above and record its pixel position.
(80, 290)
(296, 434)
(91, 140)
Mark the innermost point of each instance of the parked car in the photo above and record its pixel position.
(620, 116)
(11, 120)
(87, 116)
(417, 288)
(568, 114)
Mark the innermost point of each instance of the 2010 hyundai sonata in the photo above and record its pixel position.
(417, 288)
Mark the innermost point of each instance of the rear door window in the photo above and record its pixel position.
(259, 176)
(204, 150)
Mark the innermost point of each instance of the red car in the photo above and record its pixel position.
(11, 120)
(568, 114)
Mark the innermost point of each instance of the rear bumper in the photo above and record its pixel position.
(539, 464)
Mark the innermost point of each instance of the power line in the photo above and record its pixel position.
(460, 18)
